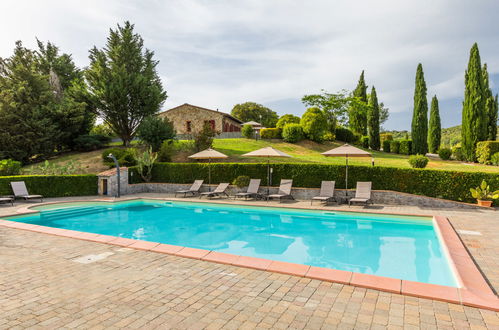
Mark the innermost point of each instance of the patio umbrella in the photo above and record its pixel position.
(208, 154)
(346, 151)
(267, 152)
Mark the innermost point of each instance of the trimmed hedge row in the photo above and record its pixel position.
(53, 185)
(433, 183)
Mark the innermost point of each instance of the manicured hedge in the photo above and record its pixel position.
(434, 183)
(270, 133)
(485, 150)
(386, 145)
(395, 147)
(53, 185)
(405, 147)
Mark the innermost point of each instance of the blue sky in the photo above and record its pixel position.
(218, 53)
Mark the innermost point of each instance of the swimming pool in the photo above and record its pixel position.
(402, 247)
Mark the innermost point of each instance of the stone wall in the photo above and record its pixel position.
(197, 116)
(379, 196)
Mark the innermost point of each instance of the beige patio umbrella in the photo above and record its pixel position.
(267, 152)
(208, 154)
(346, 151)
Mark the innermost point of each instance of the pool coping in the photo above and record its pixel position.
(474, 290)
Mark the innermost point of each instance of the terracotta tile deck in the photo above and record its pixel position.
(41, 286)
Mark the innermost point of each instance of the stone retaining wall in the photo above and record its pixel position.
(378, 196)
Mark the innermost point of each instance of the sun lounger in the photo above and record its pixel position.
(20, 191)
(326, 194)
(219, 190)
(362, 193)
(284, 190)
(193, 190)
(7, 199)
(252, 190)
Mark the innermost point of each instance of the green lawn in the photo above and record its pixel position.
(303, 152)
(310, 152)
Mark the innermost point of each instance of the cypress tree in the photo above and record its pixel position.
(357, 113)
(493, 113)
(473, 106)
(373, 121)
(420, 115)
(435, 129)
(490, 122)
(361, 90)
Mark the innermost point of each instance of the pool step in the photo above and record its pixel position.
(73, 212)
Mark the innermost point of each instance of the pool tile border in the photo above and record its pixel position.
(475, 291)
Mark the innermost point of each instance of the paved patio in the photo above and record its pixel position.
(43, 286)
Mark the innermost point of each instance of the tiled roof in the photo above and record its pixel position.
(112, 171)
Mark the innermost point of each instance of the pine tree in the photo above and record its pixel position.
(373, 121)
(357, 113)
(435, 129)
(123, 82)
(420, 115)
(490, 122)
(27, 105)
(473, 106)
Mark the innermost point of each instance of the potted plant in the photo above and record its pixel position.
(483, 194)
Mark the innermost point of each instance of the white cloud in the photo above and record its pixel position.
(218, 53)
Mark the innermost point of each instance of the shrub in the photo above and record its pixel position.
(287, 119)
(444, 153)
(395, 147)
(154, 130)
(247, 131)
(386, 137)
(102, 129)
(458, 154)
(241, 181)
(90, 142)
(329, 136)
(145, 163)
(495, 159)
(451, 185)
(418, 161)
(204, 138)
(270, 133)
(314, 124)
(386, 145)
(345, 135)
(125, 156)
(364, 142)
(53, 185)
(292, 133)
(9, 167)
(405, 147)
(485, 150)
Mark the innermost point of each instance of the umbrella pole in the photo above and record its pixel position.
(268, 176)
(346, 177)
(209, 174)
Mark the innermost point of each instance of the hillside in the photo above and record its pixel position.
(302, 152)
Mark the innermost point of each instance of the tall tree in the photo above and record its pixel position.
(27, 104)
(373, 121)
(287, 119)
(357, 113)
(74, 114)
(473, 115)
(314, 124)
(123, 82)
(493, 114)
(251, 111)
(490, 122)
(420, 115)
(435, 129)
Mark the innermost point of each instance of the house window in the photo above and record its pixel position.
(226, 127)
(188, 126)
(211, 122)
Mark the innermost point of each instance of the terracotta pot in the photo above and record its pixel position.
(484, 203)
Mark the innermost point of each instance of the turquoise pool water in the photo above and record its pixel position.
(395, 246)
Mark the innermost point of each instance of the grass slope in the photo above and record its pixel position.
(302, 152)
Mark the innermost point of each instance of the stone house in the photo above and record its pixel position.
(188, 119)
